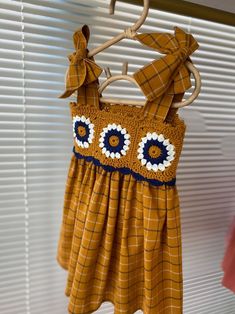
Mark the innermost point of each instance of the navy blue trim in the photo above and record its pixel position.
(123, 170)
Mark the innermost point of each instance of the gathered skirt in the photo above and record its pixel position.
(120, 241)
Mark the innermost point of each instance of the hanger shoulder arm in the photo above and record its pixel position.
(196, 90)
(117, 78)
(129, 33)
(107, 44)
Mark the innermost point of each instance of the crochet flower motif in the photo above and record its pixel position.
(114, 141)
(83, 131)
(155, 152)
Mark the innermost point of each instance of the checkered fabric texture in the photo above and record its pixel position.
(120, 241)
(82, 71)
(162, 79)
(120, 238)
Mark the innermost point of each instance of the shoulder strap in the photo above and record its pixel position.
(162, 79)
(88, 95)
(82, 74)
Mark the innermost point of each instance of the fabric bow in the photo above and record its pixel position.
(168, 72)
(81, 71)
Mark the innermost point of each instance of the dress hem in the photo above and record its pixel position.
(116, 311)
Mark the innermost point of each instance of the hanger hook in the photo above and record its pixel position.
(128, 33)
(112, 6)
(140, 20)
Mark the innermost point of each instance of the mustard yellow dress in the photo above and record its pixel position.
(120, 237)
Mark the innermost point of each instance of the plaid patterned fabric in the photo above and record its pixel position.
(82, 71)
(120, 241)
(162, 79)
(155, 78)
(120, 238)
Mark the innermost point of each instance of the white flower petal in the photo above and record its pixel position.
(117, 155)
(101, 144)
(109, 127)
(123, 152)
(166, 163)
(83, 119)
(140, 150)
(149, 165)
(155, 167)
(127, 136)
(171, 152)
(154, 136)
(119, 127)
(125, 147)
(101, 139)
(114, 126)
(141, 145)
(169, 147)
(170, 158)
(107, 153)
(166, 142)
(140, 156)
(123, 131)
(149, 136)
(112, 155)
(144, 139)
(89, 140)
(161, 167)
(127, 142)
(143, 161)
(104, 150)
(161, 138)
(86, 145)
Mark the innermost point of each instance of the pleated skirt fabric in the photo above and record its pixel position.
(120, 241)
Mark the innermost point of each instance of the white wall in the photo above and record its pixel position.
(226, 5)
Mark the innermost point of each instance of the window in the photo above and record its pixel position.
(36, 145)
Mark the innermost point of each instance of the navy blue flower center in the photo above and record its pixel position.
(81, 130)
(114, 141)
(155, 160)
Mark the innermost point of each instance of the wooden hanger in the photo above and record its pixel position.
(112, 78)
(127, 33)
(130, 33)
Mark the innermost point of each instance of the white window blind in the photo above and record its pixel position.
(36, 145)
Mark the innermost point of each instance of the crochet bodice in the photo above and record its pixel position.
(145, 142)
